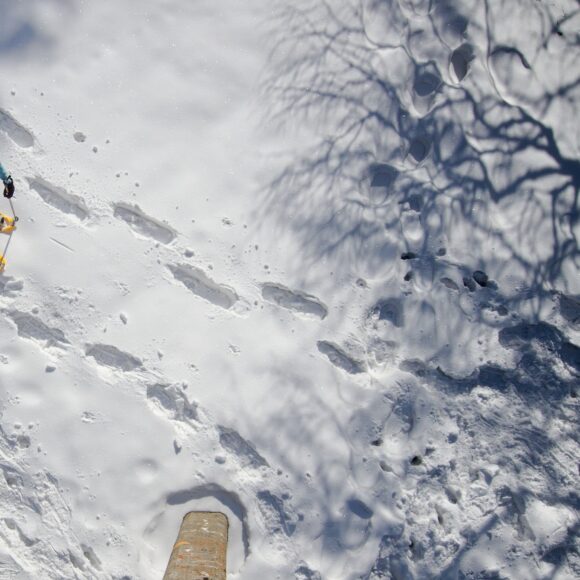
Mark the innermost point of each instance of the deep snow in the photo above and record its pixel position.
(313, 264)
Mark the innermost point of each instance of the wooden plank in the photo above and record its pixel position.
(201, 548)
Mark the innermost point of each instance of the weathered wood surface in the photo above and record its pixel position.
(201, 548)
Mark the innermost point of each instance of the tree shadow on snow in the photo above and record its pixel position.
(395, 132)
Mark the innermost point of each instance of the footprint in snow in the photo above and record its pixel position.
(460, 62)
(19, 134)
(382, 176)
(426, 82)
(449, 283)
(419, 148)
(304, 572)
(110, 356)
(19, 534)
(478, 278)
(31, 327)
(481, 278)
(359, 508)
(390, 309)
(9, 286)
(294, 300)
(339, 358)
(88, 557)
(200, 284)
(88, 417)
(241, 448)
(172, 400)
(59, 198)
(274, 510)
(142, 224)
(469, 283)
(569, 309)
(450, 25)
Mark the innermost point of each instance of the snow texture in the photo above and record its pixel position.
(312, 264)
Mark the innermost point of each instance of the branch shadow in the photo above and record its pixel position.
(393, 131)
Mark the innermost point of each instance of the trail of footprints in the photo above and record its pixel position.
(384, 24)
(171, 401)
(193, 278)
(311, 307)
(277, 514)
(165, 398)
(74, 205)
(32, 327)
(426, 83)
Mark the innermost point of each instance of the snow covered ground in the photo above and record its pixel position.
(310, 263)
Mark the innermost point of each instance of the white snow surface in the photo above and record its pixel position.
(310, 263)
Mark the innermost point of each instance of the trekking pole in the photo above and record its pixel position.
(3, 256)
(13, 210)
(6, 246)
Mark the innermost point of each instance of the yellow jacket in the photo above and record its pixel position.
(6, 224)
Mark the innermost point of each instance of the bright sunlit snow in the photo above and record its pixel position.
(310, 263)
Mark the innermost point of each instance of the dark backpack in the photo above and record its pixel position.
(8, 187)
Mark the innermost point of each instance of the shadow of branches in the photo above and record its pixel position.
(417, 107)
(398, 122)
